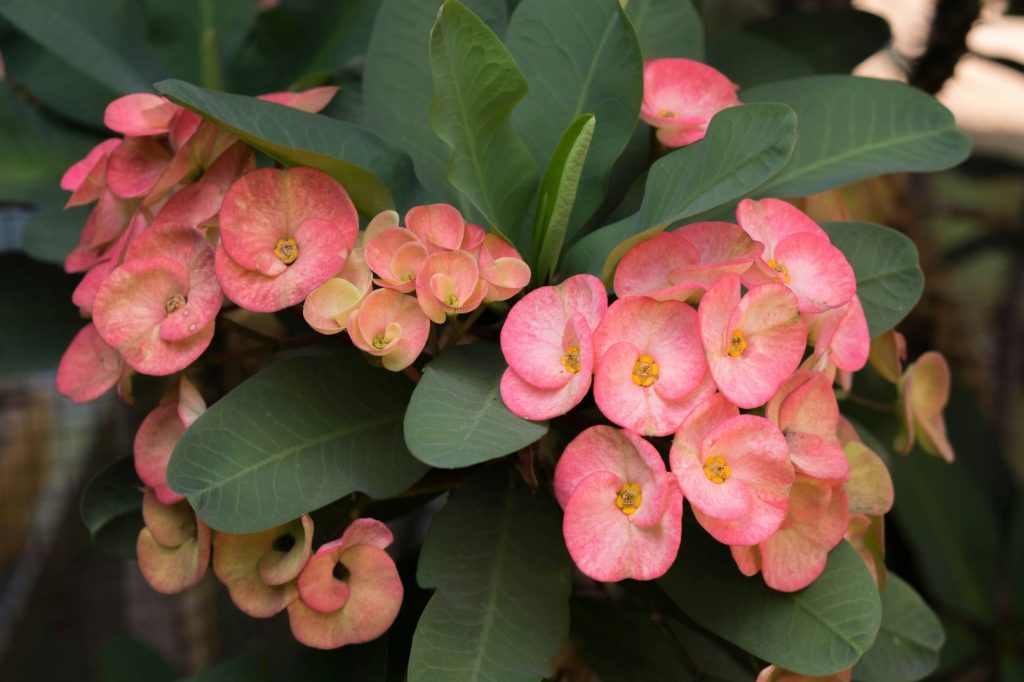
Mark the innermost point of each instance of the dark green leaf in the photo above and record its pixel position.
(819, 630)
(750, 60)
(51, 234)
(37, 315)
(853, 128)
(831, 40)
(889, 279)
(476, 86)
(949, 522)
(907, 648)
(667, 28)
(397, 86)
(100, 37)
(298, 435)
(124, 657)
(363, 662)
(363, 163)
(456, 417)
(240, 669)
(501, 610)
(744, 146)
(558, 195)
(578, 58)
(111, 508)
(35, 152)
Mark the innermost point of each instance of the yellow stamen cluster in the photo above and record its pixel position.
(452, 300)
(717, 470)
(571, 359)
(173, 303)
(645, 371)
(781, 269)
(667, 113)
(628, 498)
(287, 251)
(380, 341)
(737, 344)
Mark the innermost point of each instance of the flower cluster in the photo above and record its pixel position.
(437, 266)
(710, 320)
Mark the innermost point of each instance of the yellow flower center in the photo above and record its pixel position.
(737, 344)
(717, 470)
(667, 113)
(287, 251)
(380, 341)
(452, 300)
(781, 269)
(571, 359)
(645, 371)
(173, 303)
(628, 498)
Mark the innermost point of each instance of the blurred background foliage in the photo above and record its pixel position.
(956, 533)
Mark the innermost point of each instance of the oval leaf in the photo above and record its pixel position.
(111, 508)
(819, 630)
(577, 57)
(299, 435)
(558, 195)
(853, 128)
(667, 28)
(744, 146)
(907, 648)
(362, 162)
(889, 279)
(501, 611)
(476, 86)
(456, 417)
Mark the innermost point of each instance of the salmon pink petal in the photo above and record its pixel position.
(136, 165)
(192, 206)
(537, 336)
(318, 587)
(183, 126)
(842, 334)
(924, 390)
(769, 221)
(159, 432)
(373, 601)
(806, 411)
(190, 402)
(438, 226)
(502, 268)
(536, 403)
(869, 490)
(448, 283)
(395, 255)
(365, 531)
(89, 366)
(390, 325)
(645, 269)
(313, 100)
(705, 416)
(385, 220)
(328, 307)
(817, 272)
(473, 239)
(87, 178)
(231, 164)
(721, 245)
(681, 96)
(140, 114)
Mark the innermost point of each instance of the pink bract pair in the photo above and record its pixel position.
(680, 98)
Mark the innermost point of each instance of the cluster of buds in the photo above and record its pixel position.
(710, 320)
(435, 267)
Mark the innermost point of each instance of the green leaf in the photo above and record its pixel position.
(397, 86)
(819, 630)
(667, 28)
(238, 669)
(743, 147)
(476, 86)
(578, 58)
(297, 436)
(558, 195)
(37, 315)
(53, 232)
(363, 163)
(889, 279)
(831, 40)
(97, 37)
(750, 60)
(35, 152)
(907, 648)
(111, 508)
(501, 611)
(948, 521)
(456, 417)
(853, 128)
(124, 658)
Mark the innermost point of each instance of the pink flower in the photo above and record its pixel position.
(439, 226)
(774, 673)
(87, 178)
(313, 100)
(752, 344)
(797, 253)
(328, 307)
(649, 362)
(349, 592)
(681, 96)
(140, 114)
(159, 432)
(448, 283)
(502, 268)
(735, 471)
(195, 206)
(158, 311)
(796, 554)
(283, 234)
(393, 253)
(840, 335)
(107, 221)
(680, 265)
(174, 547)
(806, 412)
(261, 570)
(136, 165)
(391, 326)
(89, 367)
(547, 340)
(623, 511)
(924, 392)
